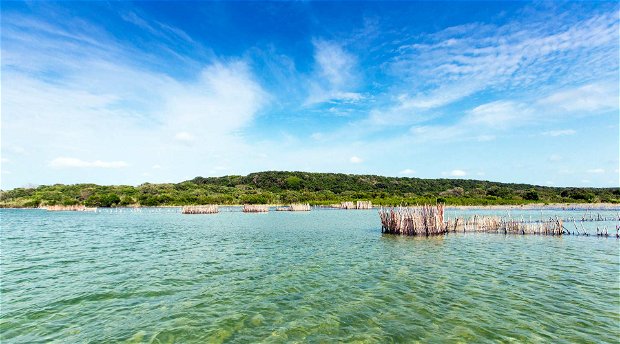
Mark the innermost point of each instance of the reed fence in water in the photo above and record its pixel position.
(347, 205)
(68, 208)
(255, 208)
(424, 220)
(200, 209)
(356, 205)
(498, 224)
(295, 207)
(363, 205)
(429, 220)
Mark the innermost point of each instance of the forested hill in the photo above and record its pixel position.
(275, 187)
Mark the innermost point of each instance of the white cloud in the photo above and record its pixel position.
(455, 173)
(105, 102)
(63, 162)
(562, 132)
(224, 99)
(596, 170)
(439, 132)
(334, 64)
(160, 30)
(587, 98)
(400, 114)
(498, 114)
(351, 97)
(5, 160)
(356, 160)
(156, 167)
(441, 96)
(461, 61)
(476, 123)
(101, 101)
(407, 172)
(335, 75)
(184, 136)
(523, 57)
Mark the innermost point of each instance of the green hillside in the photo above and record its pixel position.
(275, 187)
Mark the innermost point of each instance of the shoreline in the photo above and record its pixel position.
(536, 206)
(531, 206)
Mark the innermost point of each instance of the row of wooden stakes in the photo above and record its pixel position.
(247, 208)
(356, 205)
(68, 208)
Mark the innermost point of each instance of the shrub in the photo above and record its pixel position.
(531, 195)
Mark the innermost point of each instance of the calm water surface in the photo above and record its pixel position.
(163, 277)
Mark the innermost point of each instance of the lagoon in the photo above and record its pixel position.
(157, 276)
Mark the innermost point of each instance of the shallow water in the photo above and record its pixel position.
(319, 276)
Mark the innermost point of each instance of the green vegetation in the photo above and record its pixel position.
(294, 187)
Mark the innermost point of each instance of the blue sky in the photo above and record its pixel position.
(126, 93)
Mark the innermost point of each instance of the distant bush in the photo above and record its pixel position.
(531, 195)
(455, 192)
(580, 194)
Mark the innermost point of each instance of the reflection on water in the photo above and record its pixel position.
(163, 277)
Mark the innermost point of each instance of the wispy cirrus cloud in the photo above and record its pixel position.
(560, 132)
(471, 81)
(503, 115)
(184, 136)
(336, 75)
(497, 114)
(478, 124)
(515, 56)
(587, 98)
(135, 88)
(356, 160)
(104, 99)
(225, 98)
(455, 173)
(156, 28)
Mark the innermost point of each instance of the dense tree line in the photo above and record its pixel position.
(276, 187)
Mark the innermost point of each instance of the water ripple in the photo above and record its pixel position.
(147, 277)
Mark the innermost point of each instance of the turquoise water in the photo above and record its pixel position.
(320, 276)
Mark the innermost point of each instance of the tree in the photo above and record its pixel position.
(293, 183)
(531, 195)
